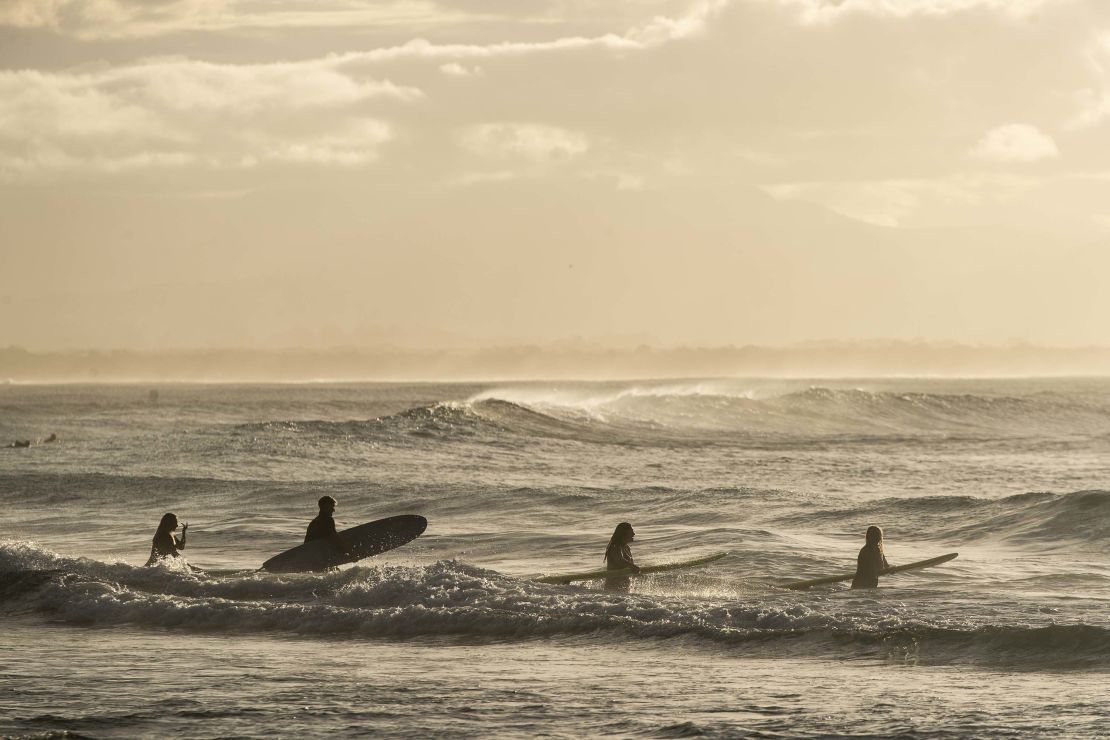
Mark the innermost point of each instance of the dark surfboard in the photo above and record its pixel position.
(364, 540)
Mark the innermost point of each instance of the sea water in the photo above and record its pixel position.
(448, 636)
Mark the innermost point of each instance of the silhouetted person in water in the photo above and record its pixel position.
(618, 555)
(165, 544)
(871, 560)
(323, 526)
(28, 443)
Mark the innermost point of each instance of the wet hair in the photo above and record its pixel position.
(618, 538)
(875, 536)
(169, 522)
(326, 501)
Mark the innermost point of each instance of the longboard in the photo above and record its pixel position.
(364, 540)
(801, 585)
(596, 575)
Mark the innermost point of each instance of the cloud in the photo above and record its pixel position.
(120, 19)
(454, 69)
(899, 202)
(178, 111)
(819, 11)
(184, 84)
(1015, 142)
(530, 141)
(218, 113)
(356, 143)
(878, 203)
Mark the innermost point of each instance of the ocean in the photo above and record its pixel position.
(448, 636)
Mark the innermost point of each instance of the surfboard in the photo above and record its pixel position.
(596, 575)
(801, 585)
(365, 540)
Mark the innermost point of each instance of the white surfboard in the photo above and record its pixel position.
(597, 575)
(802, 585)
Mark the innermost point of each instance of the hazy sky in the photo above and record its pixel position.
(191, 173)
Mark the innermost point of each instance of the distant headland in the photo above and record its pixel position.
(581, 361)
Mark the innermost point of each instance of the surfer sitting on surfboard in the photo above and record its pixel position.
(323, 526)
(165, 544)
(871, 560)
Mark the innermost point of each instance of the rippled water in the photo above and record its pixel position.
(449, 636)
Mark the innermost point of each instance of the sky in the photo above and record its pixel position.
(447, 173)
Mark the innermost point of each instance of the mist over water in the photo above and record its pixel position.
(518, 479)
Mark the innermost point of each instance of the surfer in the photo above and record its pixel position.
(323, 526)
(618, 556)
(165, 544)
(871, 560)
(28, 443)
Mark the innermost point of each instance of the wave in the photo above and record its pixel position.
(454, 600)
(1046, 520)
(491, 421)
(720, 412)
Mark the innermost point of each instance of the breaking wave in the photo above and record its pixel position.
(453, 600)
(708, 412)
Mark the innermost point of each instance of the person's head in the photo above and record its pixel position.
(168, 523)
(327, 504)
(622, 535)
(874, 535)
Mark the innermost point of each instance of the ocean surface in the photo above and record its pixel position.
(448, 636)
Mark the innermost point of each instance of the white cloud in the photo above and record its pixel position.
(879, 203)
(44, 106)
(119, 19)
(41, 160)
(29, 13)
(184, 84)
(454, 69)
(530, 141)
(178, 111)
(357, 143)
(1015, 142)
(818, 11)
(896, 202)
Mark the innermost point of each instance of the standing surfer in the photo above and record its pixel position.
(323, 526)
(618, 555)
(165, 544)
(871, 560)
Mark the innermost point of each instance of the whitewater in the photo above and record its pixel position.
(450, 636)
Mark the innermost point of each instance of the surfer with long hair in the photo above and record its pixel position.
(618, 555)
(165, 544)
(871, 560)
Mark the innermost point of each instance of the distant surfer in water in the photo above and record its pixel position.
(323, 526)
(871, 560)
(165, 543)
(28, 443)
(618, 555)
